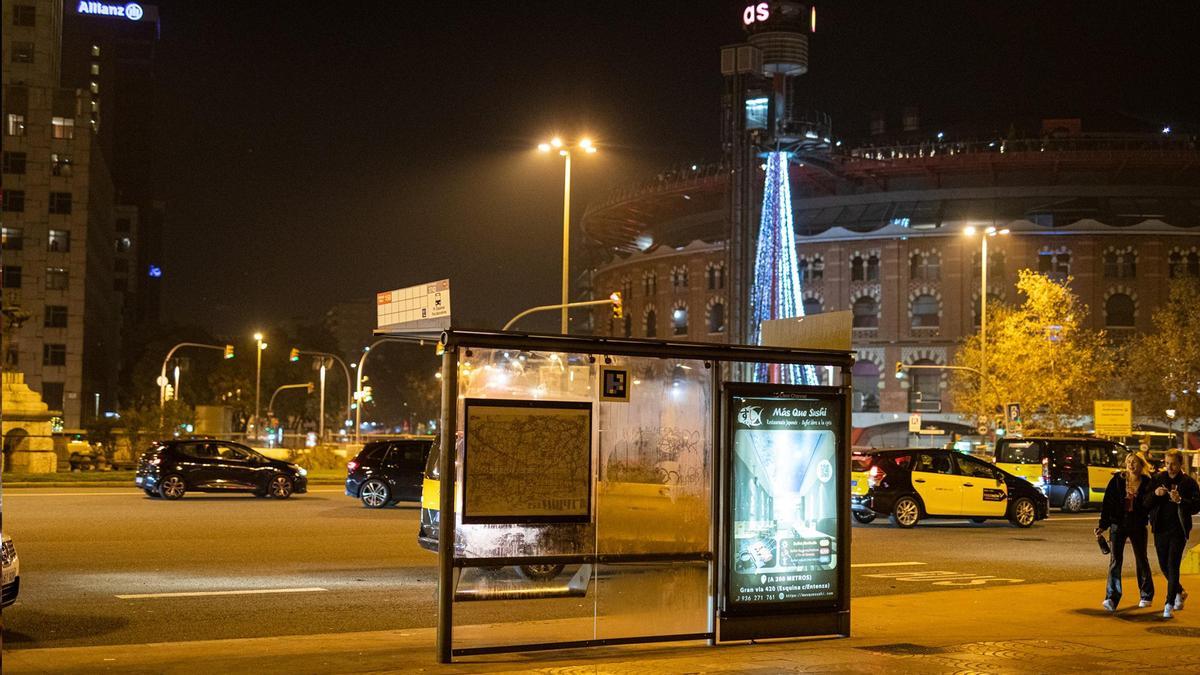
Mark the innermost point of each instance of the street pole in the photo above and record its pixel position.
(566, 261)
(258, 338)
(321, 414)
(358, 378)
(544, 308)
(983, 261)
(176, 382)
(345, 371)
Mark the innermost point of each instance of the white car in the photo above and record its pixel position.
(12, 570)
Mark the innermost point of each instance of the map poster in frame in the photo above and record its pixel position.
(527, 461)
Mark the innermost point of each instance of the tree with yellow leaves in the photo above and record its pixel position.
(1164, 366)
(1039, 354)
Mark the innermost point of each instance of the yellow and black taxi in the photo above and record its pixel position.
(1072, 471)
(911, 484)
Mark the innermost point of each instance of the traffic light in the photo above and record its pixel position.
(366, 394)
(311, 386)
(295, 356)
(229, 351)
(899, 370)
(618, 309)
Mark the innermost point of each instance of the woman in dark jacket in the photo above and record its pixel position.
(1125, 514)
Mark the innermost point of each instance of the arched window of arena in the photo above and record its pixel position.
(716, 318)
(925, 312)
(1175, 267)
(716, 276)
(812, 306)
(679, 277)
(996, 260)
(679, 320)
(651, 323)
(925, 266)
(866, 386)
(1055, 264)
(1120, 264)
(925, 388)
(627, 288)
(858, 268)
(873, 267)
(802, 265)
(866, 312)
(1119, 311)
(993, 300)
(816, 270)
(649, 284)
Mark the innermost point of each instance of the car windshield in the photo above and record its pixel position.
(1019, 452)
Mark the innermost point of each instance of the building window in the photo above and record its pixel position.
(925, 312)
(925, 266)
(12, 357)
(62, 127)
(679, 277)
(1120, 264)
(14, 201)
(56, 279)
(22, 52)
(24, 15)
(60, 164)
(679, 320)
(812, 306)
(95, 87)
(60, 202)
(812, 270)
(865, 376)
(628, 324)
(716, 318)
(12, 276)
(992, 301)
(14, 238)
(14, 125)
(95, 50)
(873, 267)
(649, 284)
(14, 162)
(866, 312)
(1055, 264)
(59, 241)
(56, 316)
(716, 276)
(54, 355)
(95, 70)
(1119, 311)
(52, 395)
(1180, 265)
(651, 322)
(925, 388)
(858, 269)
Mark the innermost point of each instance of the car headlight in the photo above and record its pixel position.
(302, 471)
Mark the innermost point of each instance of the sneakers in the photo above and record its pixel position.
(1145, 603)
(1179, 599)
(1168, 611)
(1109, 605)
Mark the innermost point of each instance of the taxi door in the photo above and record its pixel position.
(1103, 460)
(934, 478)
(984, 492)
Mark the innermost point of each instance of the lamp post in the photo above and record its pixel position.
(258, 338)
(345, 371)
(358, 388)
(987, 233)
(564, 150)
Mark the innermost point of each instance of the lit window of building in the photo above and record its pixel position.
(22, 52)
(62, 127)
(14, 125)
(59, 241)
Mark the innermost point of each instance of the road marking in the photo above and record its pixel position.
(887, 564)
(139, 596)
(945, 578)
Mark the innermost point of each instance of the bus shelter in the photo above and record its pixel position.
(613, 491)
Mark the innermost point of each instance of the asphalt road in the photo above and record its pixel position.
(321, 563)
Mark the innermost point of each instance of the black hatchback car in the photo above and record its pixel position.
(386, 472)
(171, 468)
(917, 483)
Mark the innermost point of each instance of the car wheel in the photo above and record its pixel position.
(540, 572)
(1074, 501)
(172, 487)
(979, 520)
(906, 512)
(863, 517)
(374, 494)
(151, 493)
(1022, 513)
(280, 487)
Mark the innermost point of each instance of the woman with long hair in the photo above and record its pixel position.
(1125, 514)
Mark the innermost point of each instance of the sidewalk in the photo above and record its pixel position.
(1033, 628)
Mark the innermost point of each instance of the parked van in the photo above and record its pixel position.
(1072, 471)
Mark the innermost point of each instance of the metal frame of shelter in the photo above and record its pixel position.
(835, 619)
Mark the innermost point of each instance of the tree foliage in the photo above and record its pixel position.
(1164, 366)
(1039, 354)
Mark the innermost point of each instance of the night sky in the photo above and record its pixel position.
(311, 156)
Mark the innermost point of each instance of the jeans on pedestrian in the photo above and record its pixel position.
(1138, 539)
(1170, 546)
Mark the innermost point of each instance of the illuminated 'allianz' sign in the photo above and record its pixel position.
(130, 10)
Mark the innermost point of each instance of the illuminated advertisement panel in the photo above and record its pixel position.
(784, 521)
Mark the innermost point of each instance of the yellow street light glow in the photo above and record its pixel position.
(543, 147)
(990, 230)
(263, 346)
(1004, 231)
(591, 149)
(585, 143)
(969, 230)
(556, 142)
(562, 153)
(258, 336)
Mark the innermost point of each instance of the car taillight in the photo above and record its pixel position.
(351, 465)
(875, 476)
(1046, 469)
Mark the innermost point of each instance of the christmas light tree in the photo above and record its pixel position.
(776, 291)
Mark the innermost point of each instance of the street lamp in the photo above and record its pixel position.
(258, 338)
(564, 150)
(987, 233)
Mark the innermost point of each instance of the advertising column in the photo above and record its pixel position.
(785, 532)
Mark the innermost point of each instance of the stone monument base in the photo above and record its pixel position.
(25, 423)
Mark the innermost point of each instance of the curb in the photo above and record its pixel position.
(120, 484)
